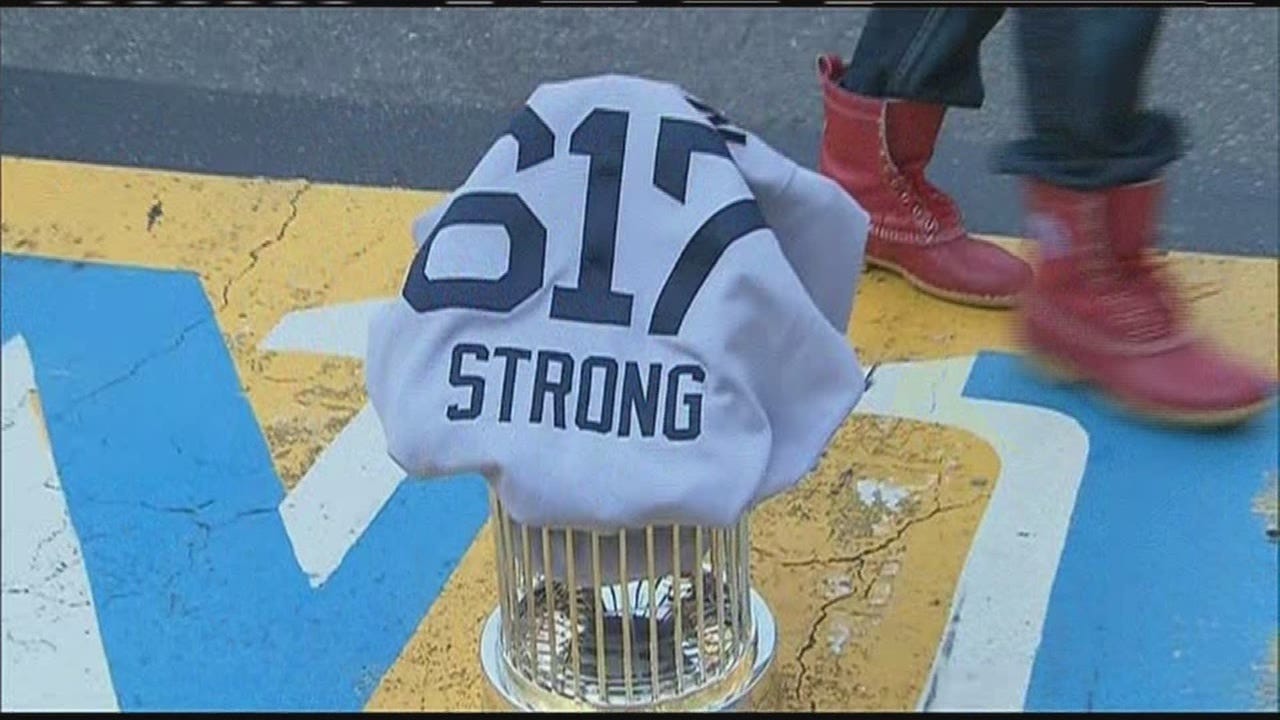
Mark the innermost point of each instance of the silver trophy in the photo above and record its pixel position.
(659, 618)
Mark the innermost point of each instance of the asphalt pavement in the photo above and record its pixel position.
(413, 97)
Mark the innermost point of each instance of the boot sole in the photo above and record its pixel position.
(1061, 372)
(999, 302)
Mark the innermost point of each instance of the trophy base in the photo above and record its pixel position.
(506, 694)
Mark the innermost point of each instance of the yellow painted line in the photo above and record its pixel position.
(261, 249)
(861, 590)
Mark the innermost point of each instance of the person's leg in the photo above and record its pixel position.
(928, 55)
(1099, 308)
(883, 115)
(1082, 75)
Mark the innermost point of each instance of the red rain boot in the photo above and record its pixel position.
(877, 151)
(1100, 310)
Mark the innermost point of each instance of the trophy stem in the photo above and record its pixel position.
(659, 618)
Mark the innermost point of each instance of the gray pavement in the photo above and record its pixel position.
(412, 97)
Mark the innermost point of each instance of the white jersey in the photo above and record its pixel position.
(630, 313)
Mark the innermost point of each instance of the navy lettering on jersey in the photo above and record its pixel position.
(625, 391)
(512, 356)
(475, 382)
(640, 399)
(586, 381)
(692, 402)
(535, 141)
(544, 386)
(604, 394)
(722, 124)
(527, 246)
(695, 263)
(678, 140)
(603, 138)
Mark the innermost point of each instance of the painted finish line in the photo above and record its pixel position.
(210, 589)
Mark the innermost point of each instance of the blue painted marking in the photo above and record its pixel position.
(1166, 594)
(172, 491)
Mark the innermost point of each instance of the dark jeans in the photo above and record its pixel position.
(1081, 72)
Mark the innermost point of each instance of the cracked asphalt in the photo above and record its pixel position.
(256, 253)
(413, 97)
(862, 595)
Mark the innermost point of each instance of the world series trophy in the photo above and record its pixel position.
(662, 618)
(631, 383)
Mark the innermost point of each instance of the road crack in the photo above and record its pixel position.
(897, 535)
(133, 370)
(858, 560)
(256, 252)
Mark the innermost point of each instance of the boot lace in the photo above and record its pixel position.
(1137, 297)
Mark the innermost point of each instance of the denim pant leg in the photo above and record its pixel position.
(922, 54)
(1082, 75)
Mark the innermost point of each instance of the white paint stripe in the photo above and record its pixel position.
(341, 330)
(53, 658)
(350, 482)
(997, 615)
(337, 499)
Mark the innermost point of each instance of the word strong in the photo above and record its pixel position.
(595, 394)
(592, 392)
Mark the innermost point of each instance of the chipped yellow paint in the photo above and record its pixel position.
(261, 249)
(1269, 679)
(861, 589)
